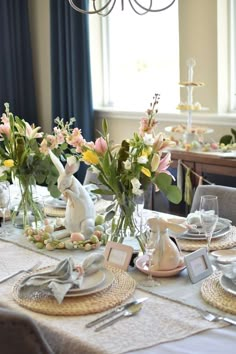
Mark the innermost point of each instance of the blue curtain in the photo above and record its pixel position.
(16, 69)
(70, 68)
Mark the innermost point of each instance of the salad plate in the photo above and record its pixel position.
(228, 255)
(141, 264)
(228, 285)
(222, 228)
(92, 286)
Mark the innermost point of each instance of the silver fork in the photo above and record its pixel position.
(210, 317)
(34, 267)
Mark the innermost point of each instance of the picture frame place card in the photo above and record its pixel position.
(198, 265)
(117, 254)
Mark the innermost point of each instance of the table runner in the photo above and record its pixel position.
(160, 319)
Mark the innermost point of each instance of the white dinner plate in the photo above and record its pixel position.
(54, 202)
(228, 285)
(141, 264)
(106, 283)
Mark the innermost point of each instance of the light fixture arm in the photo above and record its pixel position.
(109, 5)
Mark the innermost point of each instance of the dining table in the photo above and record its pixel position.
(170, 321)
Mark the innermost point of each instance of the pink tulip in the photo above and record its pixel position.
(100, 146)
(5, 127)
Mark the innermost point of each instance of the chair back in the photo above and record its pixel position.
(19, 334)
(226, 198)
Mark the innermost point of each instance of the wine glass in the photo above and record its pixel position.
(209, 211)
(151, 243)
(4, 202)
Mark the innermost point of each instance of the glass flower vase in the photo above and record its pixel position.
(128, 218)
(29, 211)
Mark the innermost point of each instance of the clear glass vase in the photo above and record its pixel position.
(29, 211)
(128, 218)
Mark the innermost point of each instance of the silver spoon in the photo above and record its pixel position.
(132, 310)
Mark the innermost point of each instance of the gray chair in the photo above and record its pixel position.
(19, 334)
(226, 198)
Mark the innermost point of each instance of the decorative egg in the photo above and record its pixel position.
(76, 236)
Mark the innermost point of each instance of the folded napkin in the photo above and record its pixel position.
(59, 280)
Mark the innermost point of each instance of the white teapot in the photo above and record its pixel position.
(167, 255)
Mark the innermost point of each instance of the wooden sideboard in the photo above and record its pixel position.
(206, 164)
(215, 169)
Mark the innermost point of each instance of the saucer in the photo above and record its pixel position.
(141, 264)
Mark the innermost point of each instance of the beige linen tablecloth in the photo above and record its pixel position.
(161, 320)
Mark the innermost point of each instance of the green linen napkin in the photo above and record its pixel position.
(61, 278)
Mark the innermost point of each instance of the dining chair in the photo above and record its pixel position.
(226, 198)
(19, 334)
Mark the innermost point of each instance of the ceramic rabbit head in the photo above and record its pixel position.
(65, 173)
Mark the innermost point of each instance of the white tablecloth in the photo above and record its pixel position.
(16, 253)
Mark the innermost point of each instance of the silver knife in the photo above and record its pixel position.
(116, 311)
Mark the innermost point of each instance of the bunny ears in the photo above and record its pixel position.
(174, 225)
(71, 167)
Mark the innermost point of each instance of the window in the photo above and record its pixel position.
(139, 57)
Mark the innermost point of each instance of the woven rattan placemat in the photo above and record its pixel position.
(213, 293)
(57, 212)
(227, 241)
(122, 287)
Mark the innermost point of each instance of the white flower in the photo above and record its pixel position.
(127, 164)
(148, 139)
(142, 159)
(136, 186)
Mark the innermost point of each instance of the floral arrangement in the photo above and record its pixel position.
(124, 170)
(21, 159)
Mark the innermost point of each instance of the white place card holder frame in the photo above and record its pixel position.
(117, 254)
(198, 265)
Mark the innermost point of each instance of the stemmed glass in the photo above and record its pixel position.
(4, 203)
(151, 243)
(209, 211)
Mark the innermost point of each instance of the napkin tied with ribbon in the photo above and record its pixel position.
(61, 278)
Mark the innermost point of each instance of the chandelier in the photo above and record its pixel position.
(106, 6)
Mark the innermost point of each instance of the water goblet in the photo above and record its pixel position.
(4, 203)
(151, 243)
(209, 211)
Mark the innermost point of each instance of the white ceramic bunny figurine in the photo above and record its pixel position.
(80, 210)
(166, 256)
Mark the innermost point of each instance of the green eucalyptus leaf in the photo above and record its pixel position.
(174, 194)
